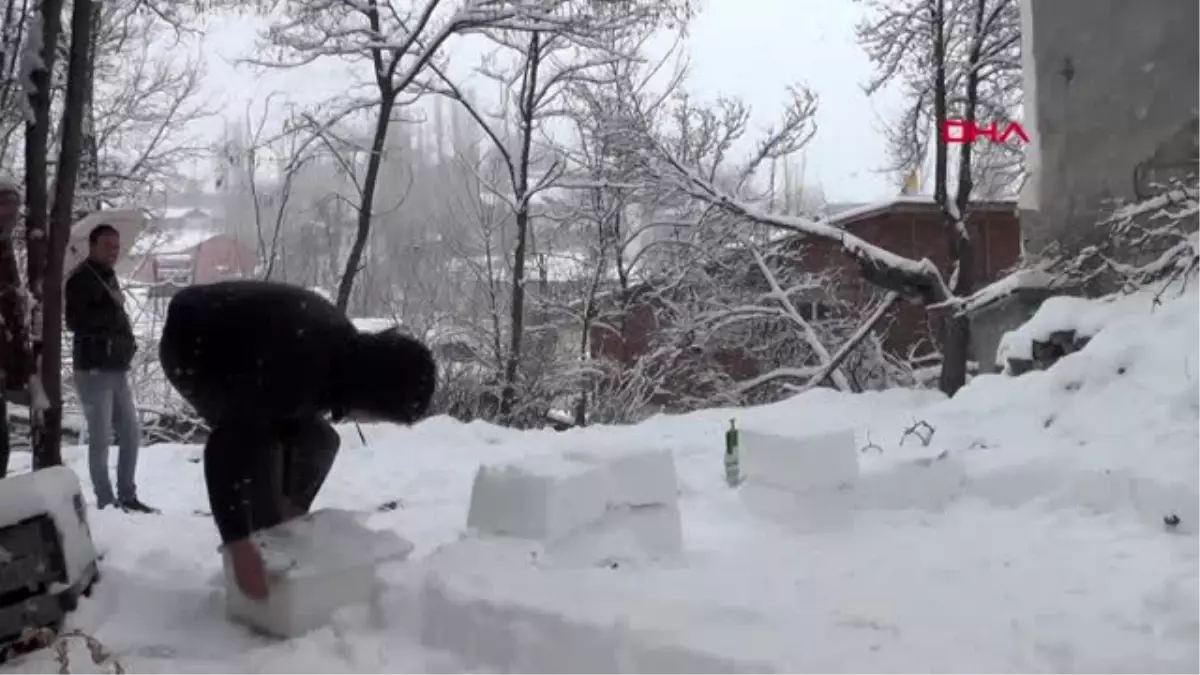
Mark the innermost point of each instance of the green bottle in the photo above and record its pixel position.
(733, 468)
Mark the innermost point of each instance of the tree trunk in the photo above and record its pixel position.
(37, 132)
(954, 332)
(5, 433)
(71, 130)
(366, 207)
(89, 193)
(956, 339)
(520, 191)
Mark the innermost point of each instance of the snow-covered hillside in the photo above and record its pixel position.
(1029, 534)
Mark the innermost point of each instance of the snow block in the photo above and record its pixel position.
(798, 464)
(513, 634)
(542, 497)
(637, 477)
(316, 564)
(809, 512)
(928, 484)
(626, 534)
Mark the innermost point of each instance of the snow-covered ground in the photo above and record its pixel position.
(1028, 535)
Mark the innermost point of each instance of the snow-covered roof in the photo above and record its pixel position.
(1012, 284)
(171, 242)
(373, 324)
(845, 216)
(177, 212)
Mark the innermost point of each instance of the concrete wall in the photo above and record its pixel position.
(989, 325)
(1110, 85)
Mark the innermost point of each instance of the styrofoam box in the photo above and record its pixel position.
(316, 564)
(827, 460)
(637, 477)
(542, 497)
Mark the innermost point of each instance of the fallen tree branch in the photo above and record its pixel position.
(859, 335)
(917, 279)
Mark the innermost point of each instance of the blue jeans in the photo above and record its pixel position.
(108, 404)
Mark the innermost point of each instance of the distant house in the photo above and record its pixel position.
(174, 258)
(910, 226)
(913, 227)
(184, 218)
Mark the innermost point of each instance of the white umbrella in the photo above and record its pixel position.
(129, 223)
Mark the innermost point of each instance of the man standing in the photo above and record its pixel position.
(102, 350)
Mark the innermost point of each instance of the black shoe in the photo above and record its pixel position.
(134, 505)
(100, 506)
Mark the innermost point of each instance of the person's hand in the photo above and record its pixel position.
(248, 569)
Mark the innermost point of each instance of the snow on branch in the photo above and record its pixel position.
(1150, 241)
(805, 329)
(912, 278)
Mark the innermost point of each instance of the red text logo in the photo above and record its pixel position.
(962, 131)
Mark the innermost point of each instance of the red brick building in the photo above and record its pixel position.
(908, 226)
(186, 257)
(913, 227)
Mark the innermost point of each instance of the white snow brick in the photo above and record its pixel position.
(626, 533)
(821, 461)
(928, 483)
(504, 629)
(316, 565)
(638, 477)
(811, 511)
(542, 497)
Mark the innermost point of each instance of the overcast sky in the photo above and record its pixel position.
(752, 49)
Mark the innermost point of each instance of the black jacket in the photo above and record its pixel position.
(95, 313)
(256, 357)
(253, 350)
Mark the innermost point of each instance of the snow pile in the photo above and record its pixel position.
(1079, 316)
(1040, 523)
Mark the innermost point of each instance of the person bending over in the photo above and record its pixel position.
(263, 363)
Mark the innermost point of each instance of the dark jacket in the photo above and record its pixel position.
(256, 357)
(95, 313)
(253, 349)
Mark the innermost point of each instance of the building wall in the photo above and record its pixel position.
(217, 258)
(916, 231)
(139, 268)
(222, 257)
(1110, 84)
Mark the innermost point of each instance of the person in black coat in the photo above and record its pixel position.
(102, 350)
(263, 363)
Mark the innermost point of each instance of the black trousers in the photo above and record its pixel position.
(260, 473)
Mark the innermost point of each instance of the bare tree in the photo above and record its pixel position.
(262, 171)
(730, 295)
(47, 229)
(145, 104)
(13, 36)
(45, 24)
(399, 42)
(670, 160)
(545, 64)
(957, 59)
